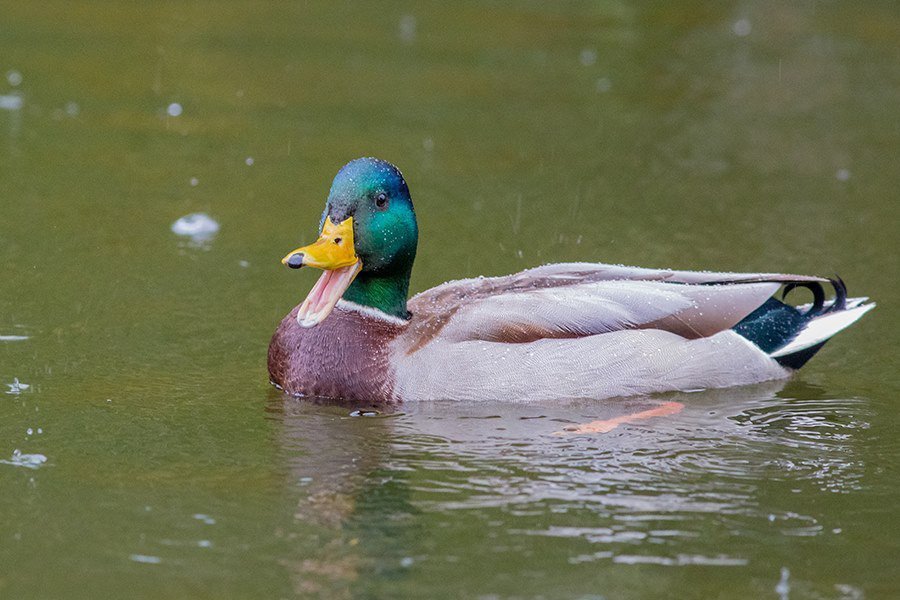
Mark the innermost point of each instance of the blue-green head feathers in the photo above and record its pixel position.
(375, 194)
(385, 233)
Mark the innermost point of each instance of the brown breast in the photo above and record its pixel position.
(345, 357)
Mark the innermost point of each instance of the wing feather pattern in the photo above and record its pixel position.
(575, 300)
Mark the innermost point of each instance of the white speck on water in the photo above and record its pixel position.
(783, 588)
(29, 461)
(406, 562)
(10, 101)
(14, 78)
(836, 530)
(842, 174)
(771, 518)
(407, 29)
(194, 181)
(244, 263)
(146, 559)
(849, 592)
(72, 109)
(204, 544)
(198, 226)
(305, 480)
(205, 518)
(40, 431)
(29, 431)
(603, 85)
(742, 27)
(428, 144)
(249, 161)
(364, 413)
(17, 387)
(174, 110)
(13, 338)
(588, 57)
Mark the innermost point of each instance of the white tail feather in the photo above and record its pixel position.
(850, 302)
(821, 328)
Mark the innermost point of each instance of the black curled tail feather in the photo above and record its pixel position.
(840, 294)
(775, 324)
(818, 306)
(817, 291)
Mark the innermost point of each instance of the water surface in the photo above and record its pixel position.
(154, 460)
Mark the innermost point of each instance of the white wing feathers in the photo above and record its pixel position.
(584, 309)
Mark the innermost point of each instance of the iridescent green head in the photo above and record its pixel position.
(385, 233)
(367, 244)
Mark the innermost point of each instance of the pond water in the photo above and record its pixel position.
(143, 453)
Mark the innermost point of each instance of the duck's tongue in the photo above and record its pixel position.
(325, 294)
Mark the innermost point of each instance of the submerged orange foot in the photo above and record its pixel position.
(606, 425)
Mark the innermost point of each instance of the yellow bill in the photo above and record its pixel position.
(334, 253)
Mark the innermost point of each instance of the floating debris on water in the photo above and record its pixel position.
(70, 110)
(783, 588)
(249, 161)
(842, 174)
(11, 101)
(364, 413)
(174, 110)
(244, 263)
(14, 78)
(407, 29)
(29, 461)
(603, 85)
(205, 518)
(200, 227)
(13, 338)
(146, 559)
(742, 27)
(17, 387)
(428, 144)
(588, 57)
(194, 181)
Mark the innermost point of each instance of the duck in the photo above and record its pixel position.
(558, 331)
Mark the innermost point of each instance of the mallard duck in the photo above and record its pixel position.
(574, 330)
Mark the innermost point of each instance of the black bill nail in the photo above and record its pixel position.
(295, 261)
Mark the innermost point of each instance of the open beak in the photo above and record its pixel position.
(334, 253)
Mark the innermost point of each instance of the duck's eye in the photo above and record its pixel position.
(381, 200)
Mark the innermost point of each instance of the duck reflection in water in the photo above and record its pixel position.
(379, 495)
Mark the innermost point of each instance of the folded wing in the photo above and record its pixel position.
(582, 299)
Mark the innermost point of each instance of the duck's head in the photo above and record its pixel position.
(367, 243)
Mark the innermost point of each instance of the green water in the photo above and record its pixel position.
(710, 135)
